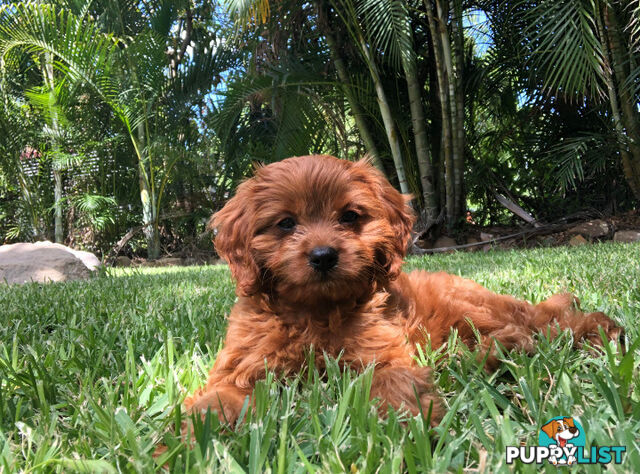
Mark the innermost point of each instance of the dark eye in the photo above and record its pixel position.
(349, 217)
(287, 223)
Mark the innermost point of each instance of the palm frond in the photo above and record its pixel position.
(388, 28)
(565, 48)
(574, 155)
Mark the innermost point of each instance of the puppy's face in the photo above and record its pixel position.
(314, 229)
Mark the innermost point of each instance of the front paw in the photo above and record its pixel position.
(613, 332)
(398, 386)
(226, 402)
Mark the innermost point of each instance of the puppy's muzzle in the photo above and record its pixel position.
(323, 259)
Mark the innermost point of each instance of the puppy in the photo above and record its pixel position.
(316, 246)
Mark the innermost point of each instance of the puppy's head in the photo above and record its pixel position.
(314, 228)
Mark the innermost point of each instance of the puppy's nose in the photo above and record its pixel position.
(323, 259)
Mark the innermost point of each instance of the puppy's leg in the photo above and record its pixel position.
(398, 387)
(558, 312)
(230, 382)
(512, 336)
(224, 400)
(563, 310)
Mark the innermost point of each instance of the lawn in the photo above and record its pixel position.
(92, 376)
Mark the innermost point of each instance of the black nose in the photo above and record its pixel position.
(573, 430)
(323, 259)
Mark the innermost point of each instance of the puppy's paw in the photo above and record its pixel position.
(226, 402)
(613, 332)
(407, 388)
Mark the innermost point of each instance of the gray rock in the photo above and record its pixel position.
(627, 236)
(123, 261)
(44, 262)
(592, 229)
(444, 241)
(168, 262)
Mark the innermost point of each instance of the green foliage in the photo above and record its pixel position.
(95, 381)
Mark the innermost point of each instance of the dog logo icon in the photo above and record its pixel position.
(562, 442)
(566, 434)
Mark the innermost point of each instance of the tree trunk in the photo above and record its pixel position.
(458, 64)
(57, 172)
(387, 118)
(631, 163)
(442, 10)
(149, 211)
(356, 110)
(419, 125)
(627, 167)
(443, 89)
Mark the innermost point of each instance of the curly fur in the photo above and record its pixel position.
(364, 307)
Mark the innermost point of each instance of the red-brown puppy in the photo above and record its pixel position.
(316, 246)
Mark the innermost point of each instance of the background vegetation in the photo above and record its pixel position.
(120, 115)
(94, 381)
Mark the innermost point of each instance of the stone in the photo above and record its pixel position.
(444, 241)
(43, 262)
(592, 229)
(123, 261)
(168, 262)
(473, 248)
(577, 240)
(627, 236)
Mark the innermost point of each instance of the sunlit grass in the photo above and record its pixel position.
(92, 376)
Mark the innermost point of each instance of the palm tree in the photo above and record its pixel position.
(129, 73)
(588, 49)
(391, 23)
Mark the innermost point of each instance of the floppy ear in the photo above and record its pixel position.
(399, 215)
(234, 226)
(550, 428)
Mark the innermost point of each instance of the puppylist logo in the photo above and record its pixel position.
(561, 442)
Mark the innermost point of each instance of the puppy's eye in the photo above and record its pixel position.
(349, 217)
(287, 223)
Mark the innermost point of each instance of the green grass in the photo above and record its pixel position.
(92, 376)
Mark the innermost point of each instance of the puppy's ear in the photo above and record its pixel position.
(234, 225)
(399, 215)
(550, 428)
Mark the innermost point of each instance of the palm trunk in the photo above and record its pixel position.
(387, 118)
(458, 58)
(456, 153)
(419, 124)
(57, 173)
(627, 167)
(356, 110)
(629, 117)
(149, 211)
(443, 89)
